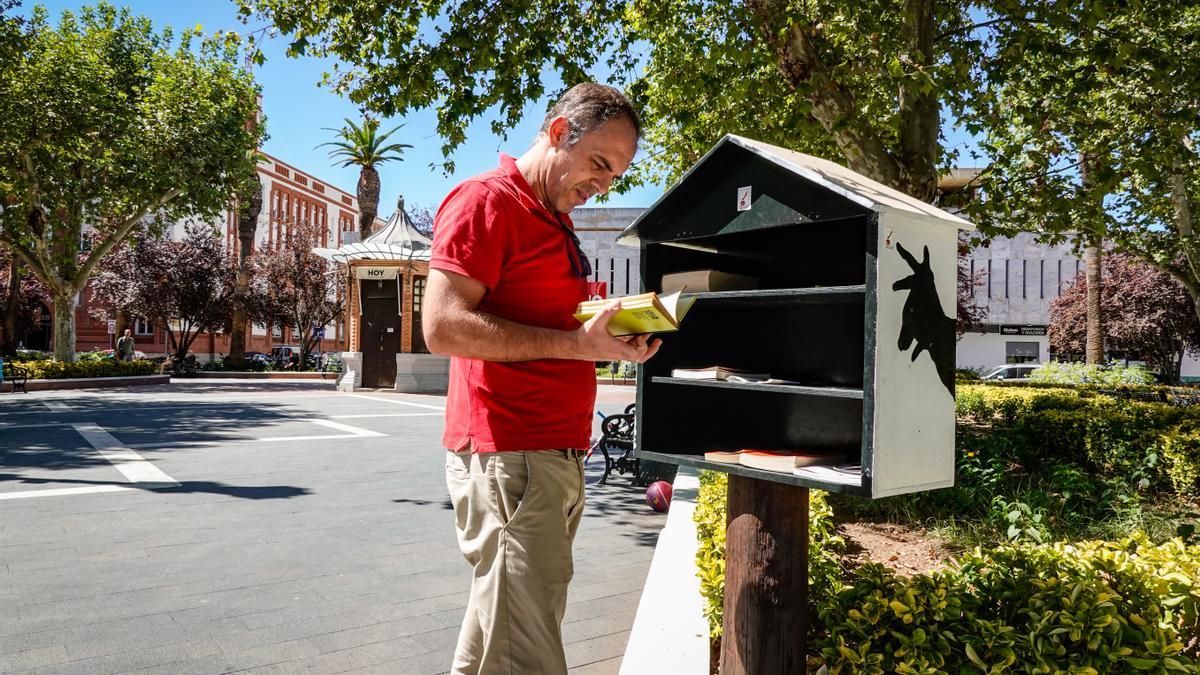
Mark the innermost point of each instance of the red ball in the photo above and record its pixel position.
(658, 496)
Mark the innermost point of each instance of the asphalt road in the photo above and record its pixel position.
(220, 526)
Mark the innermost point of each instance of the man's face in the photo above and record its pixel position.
(588, 168)
(128, 332)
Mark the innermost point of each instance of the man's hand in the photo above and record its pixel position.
(597, 344)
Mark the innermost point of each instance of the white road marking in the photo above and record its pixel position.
(396, 402)
(60, 492)
(132, 465)
(357, 431)
(57, 406)
(351, 432)
(428, 414)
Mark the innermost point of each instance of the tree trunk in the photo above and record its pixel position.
(1095, 323)
(122, 322)
(247, 227)
(1094, 253)
(368, 201)
(12, 306)
(64, 326)
(766, 578)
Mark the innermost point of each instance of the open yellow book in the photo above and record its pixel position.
(645, 313)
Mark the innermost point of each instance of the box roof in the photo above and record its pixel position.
(839, 192)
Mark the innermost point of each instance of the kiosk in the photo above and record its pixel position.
(854, 314)
(386, 276)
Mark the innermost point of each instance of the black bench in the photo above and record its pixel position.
(616, 444)
(16, 376)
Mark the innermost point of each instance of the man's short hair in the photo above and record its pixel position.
(589, 105)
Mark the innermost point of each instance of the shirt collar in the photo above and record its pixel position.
(529, 200)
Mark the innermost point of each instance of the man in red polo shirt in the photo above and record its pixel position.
(505, 278)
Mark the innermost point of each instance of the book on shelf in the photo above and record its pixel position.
(720, 373)
(724, 456)
(644, 313)
(703, 281)
(843, 474)
(785, 461)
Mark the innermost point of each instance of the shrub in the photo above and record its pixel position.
(93, 355)
(1059, 372)
(1094, 607)
(57, 370)
(824, 547)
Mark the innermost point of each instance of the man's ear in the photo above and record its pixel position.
(558, 132)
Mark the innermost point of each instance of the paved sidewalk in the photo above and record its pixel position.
(303, 531)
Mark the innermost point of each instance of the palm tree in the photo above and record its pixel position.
(363, 146)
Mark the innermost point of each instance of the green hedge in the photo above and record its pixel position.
(1093, 607)
(57, 370)
(1154, 445)
(824, 547)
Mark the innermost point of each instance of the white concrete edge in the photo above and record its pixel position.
(669, 630)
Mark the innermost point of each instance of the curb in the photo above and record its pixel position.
(94, 382)
(669, 627)
(253, 375)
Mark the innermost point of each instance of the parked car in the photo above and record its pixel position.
(1011, 371)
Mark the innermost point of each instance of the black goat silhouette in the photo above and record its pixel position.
(923, 321)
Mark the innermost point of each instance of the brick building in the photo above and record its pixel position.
(290, 196)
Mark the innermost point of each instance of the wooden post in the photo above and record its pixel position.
(766, 579)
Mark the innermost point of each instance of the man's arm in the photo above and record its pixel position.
(453, 325)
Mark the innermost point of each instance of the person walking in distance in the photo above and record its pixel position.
(505, 276)
(125, 346)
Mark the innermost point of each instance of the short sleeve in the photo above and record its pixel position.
(470, 236)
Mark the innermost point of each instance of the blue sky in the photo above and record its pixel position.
(298, 111)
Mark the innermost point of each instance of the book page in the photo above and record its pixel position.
(676, 305)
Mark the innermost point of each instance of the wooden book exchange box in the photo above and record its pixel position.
(855, 305)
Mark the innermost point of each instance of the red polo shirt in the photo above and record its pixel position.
(493, 229)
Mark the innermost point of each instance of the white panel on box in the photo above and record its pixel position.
(914, 357)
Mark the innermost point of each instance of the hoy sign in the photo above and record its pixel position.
(378, 272)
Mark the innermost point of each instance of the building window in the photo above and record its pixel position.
(1006, 278)
(989, 278)
(418, 292)
(1042, 279)
(1021, 352)
(277, 332)
(142, 327)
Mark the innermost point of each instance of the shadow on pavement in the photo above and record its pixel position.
(27, 441)
(197, 486)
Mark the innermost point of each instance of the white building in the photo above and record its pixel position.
(1016, 279)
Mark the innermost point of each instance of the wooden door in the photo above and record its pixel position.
(380, 333)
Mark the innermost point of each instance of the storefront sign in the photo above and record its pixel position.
(377, 272)
(1031, 331)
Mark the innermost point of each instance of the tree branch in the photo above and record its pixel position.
(98, 252)
(833, 105)
(986, 24)
(34, 264)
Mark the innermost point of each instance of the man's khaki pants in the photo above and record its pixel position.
(516, 513)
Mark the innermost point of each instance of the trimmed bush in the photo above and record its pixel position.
(1060, 372)
(824, 547)
(1094, 607)
(57, 370)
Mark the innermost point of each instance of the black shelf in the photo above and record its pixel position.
(829, 392)
(698, 461)
(784, 296)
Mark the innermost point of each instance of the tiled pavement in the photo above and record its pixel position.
(313, 554)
